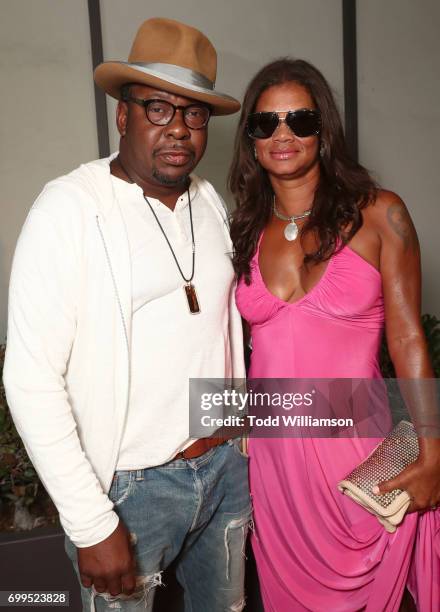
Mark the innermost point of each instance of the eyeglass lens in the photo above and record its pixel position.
(161, 112)
(303, 122)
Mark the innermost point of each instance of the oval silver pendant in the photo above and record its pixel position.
(291, 231)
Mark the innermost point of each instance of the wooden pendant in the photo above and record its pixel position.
(191, 296)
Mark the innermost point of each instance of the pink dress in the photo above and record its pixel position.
(315, 548)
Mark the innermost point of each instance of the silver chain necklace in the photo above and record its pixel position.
(190, 290)
(291, 229)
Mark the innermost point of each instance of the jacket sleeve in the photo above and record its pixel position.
(43, 294)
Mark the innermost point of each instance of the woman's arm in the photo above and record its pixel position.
(401, 277)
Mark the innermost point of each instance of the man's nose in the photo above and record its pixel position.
(177, 127)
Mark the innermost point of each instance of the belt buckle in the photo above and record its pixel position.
(182, 454)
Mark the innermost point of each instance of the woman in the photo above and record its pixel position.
(324, 259)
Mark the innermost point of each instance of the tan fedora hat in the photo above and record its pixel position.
(173, 57)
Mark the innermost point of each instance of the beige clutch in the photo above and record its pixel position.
(387, 460)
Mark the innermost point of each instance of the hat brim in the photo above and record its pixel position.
(111, 76)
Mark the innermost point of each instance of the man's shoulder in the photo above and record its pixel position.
(77, 189)
(202, 183)
(209, 192)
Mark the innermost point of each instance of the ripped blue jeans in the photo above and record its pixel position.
(195, 511)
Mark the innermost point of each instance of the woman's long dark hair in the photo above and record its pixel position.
(344, 186)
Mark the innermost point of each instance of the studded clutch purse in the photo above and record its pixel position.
(387, 460)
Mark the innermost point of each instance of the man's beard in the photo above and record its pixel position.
(163, 179)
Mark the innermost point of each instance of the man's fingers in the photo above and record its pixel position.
(122, 584)
(114, 586)
(128, 583)
(100, 585)
(86, 581)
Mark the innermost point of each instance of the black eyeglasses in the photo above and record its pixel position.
(303, 122)
(161, 112)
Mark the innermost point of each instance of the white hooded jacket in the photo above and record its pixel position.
(67, 368)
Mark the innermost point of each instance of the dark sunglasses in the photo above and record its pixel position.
(303, 122)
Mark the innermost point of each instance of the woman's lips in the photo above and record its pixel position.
(282, 155)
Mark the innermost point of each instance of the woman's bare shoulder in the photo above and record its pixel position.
(381, 204)
(390, 217)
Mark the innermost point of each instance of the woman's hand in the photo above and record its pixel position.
(421, 480)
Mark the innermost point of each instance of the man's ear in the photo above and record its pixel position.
(122, 117)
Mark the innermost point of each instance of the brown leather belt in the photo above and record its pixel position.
(199, 447)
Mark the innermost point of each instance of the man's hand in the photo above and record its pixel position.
(110, 564)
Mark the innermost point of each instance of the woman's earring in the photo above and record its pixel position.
(322, 149)
(255, 153)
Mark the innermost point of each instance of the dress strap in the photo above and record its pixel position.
(260, 238)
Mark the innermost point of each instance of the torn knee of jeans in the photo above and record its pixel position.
(237, 606)
(150, 583)
(242, 524)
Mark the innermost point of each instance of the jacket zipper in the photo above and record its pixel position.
(124, 326)
(115, 287)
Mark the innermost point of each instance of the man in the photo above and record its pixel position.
(122, 290)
